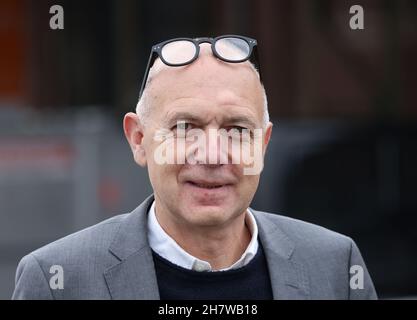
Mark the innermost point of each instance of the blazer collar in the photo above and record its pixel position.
(134, 277)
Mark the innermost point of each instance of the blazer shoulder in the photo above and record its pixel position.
(83, 256)
(82, 244)
(325, 255)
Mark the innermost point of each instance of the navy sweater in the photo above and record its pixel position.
(250, 282)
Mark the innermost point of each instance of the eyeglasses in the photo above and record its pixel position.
(182, 51)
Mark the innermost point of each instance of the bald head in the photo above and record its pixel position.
(205, 78)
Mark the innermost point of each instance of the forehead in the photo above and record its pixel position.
(206, 84)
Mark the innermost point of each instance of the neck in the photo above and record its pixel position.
(221, 246)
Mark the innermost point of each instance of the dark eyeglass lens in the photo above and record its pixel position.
(178, 52)
(233, 49)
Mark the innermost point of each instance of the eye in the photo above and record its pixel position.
(240, 132)
(236, 128)
(182, 126)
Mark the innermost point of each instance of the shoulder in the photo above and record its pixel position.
(324, 256)
(83, 256)
(93, 241)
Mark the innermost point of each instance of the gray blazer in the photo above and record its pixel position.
(113, 260)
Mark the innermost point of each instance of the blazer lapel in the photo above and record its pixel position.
(288, 277)
(133, 277)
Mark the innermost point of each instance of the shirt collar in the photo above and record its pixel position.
(169, 249)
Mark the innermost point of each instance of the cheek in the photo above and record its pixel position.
(164, 174)
(249, 183)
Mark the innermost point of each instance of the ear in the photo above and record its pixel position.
(267, 136)
(134, 134)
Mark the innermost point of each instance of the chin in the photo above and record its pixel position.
(205, 215)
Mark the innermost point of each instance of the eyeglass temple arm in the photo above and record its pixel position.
(145, 76)
(257, 62)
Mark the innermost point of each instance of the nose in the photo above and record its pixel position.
(211, 149)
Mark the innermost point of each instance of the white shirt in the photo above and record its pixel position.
(169, 249)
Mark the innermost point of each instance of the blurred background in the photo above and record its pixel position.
(344, 104)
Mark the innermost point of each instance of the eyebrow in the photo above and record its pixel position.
(181, 115)
(242, 120)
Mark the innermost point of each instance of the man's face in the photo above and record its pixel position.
(207, 94)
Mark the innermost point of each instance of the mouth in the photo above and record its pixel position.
(209, 193)
(207, 185)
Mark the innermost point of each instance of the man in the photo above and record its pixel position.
(196, 237)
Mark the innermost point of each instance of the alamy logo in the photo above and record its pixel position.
(357, 20)
(57, 280)
(356, 279)
(57, 20)
(220, 146)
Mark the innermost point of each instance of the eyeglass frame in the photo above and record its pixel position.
(156, 52)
